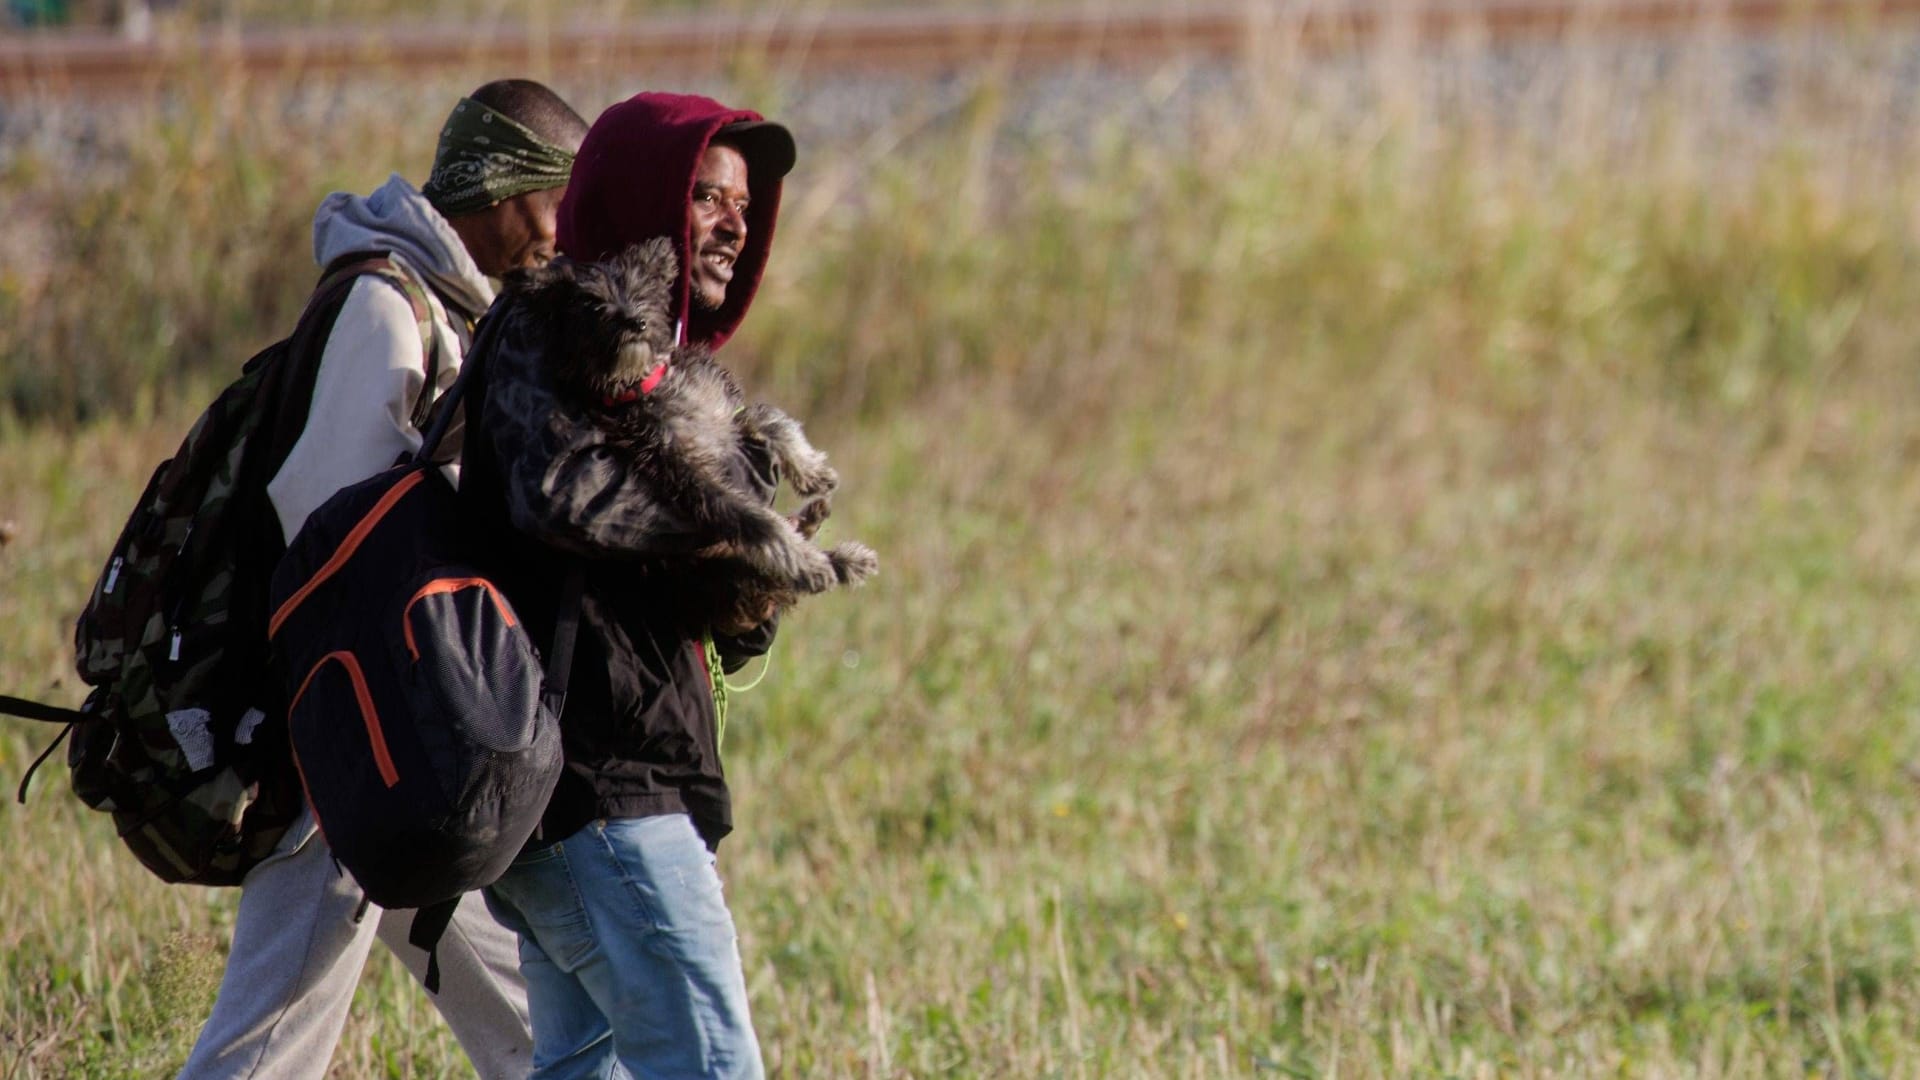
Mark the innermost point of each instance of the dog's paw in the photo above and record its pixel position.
(815, 572)
(811, 516)
(811, 476)
(797, 565)
(853, 563)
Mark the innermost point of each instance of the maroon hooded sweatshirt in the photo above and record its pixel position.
(633, 180)
(639, 724)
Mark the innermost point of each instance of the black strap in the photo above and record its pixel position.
(449, 404)
(34, 710)
(423, 406)
(566, 626)
(37, 762)
(50, 714)
(429, 923)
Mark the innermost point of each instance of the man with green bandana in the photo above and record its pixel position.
(498, 183)
(303, 930)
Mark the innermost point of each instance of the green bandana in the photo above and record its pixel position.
(485, 157)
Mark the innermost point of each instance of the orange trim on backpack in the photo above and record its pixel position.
(368, 714)
(347, 548)
(447, 585)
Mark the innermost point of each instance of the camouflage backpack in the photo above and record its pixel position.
(183, 737)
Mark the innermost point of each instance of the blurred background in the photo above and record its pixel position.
(1398, 521)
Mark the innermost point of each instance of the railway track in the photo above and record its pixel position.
(927, 42)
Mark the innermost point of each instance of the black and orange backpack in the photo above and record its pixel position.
(424, 723)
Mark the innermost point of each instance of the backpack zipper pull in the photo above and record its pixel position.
(113, 575)
(173, 650)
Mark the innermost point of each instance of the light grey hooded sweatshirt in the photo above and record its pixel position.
(298, 945)
(373, 367)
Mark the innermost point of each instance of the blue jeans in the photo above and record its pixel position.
(629, 954)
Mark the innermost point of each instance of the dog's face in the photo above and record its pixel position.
(612, 321)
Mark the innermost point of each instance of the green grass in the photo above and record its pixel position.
(1364, 596)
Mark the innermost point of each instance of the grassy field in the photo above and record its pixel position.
(1370, 588)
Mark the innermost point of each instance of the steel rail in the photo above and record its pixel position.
(930, 42)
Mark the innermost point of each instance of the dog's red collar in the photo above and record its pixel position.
(633, 393)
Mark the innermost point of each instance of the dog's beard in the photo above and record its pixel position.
(634, 362)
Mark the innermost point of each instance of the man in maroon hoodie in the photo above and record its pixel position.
(627, 945)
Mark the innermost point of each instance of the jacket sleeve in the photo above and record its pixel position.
(371, 371)
(757, 471)
(563, 483)
(736, 649)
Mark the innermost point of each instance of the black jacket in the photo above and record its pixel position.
(545, 492)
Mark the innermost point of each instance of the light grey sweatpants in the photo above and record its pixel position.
(297, 955)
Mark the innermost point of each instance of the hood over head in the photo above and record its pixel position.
(397, 218)
(633, 180)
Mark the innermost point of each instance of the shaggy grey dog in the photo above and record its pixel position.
(682, 418)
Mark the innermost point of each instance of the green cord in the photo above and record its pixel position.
(766, 664)
(717, 675)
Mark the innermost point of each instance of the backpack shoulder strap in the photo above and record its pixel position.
(382, 265)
